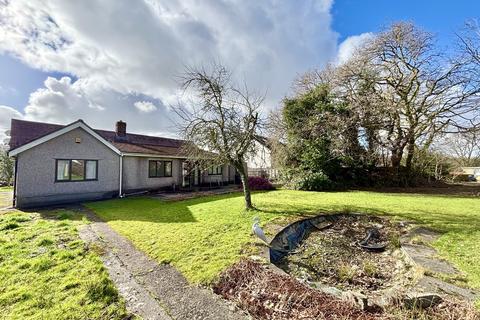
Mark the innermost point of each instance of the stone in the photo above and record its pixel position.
(329, 290)
(421, 300)
(431, 284)
(357, 298)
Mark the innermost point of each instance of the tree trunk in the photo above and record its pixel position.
(396, 158)
(410, 153)
(246, 187)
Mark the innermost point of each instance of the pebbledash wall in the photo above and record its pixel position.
(135, 174)
(228, 175)
(36, 185)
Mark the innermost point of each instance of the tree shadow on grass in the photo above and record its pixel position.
(150, 209)
(439, 222)
(138, 208)
(445, 190)
(60, 213)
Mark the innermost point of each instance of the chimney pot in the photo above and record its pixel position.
(121, 129)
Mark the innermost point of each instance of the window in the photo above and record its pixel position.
(76, 170)
(159, 168)
(215, 170)
(63, 170)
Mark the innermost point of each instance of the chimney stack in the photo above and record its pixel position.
(121, 129)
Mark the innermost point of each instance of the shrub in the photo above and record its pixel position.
(309, 181)
(259, 183)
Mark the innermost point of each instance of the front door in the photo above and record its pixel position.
(186, 175)
(196, 176)
(190, 175)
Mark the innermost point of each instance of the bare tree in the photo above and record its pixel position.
(420, 92)
(223, 120)
(463, 148)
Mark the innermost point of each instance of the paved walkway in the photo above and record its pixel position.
(183, 195)
(426, 257)
(151, 290)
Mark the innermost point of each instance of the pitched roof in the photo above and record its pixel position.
(23, 132)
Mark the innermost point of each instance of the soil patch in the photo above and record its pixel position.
(334, 256)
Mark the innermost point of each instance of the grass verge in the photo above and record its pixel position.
(47, 272)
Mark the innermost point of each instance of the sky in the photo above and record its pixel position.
(103, 61)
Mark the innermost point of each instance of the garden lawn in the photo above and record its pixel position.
(47, 272)
(203, 236)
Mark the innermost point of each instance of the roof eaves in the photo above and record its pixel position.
(58, 132)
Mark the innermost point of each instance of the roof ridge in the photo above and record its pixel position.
(40, 122)
(95, 129)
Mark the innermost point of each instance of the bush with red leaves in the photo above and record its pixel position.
(259, 183)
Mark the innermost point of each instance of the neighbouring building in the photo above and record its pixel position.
(69, 163)
(472, 172)
(260, 163)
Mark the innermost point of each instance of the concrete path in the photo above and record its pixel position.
(151, 290)
(426, 257)
(184, 195)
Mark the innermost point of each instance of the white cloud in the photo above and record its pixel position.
(348, 46)
(141, 46)
(126, 53)
(6, 114)
(145, 106)
(5, 91)
(61, 101)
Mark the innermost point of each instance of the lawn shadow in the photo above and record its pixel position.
(153, 209)
(65, 212)
(471, 190)
(439, 222)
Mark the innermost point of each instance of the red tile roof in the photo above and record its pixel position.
(23, 132)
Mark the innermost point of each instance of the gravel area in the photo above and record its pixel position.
(152, 290)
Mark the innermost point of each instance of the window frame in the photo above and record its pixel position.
(215, 172)
(164, 162)
(70, 170)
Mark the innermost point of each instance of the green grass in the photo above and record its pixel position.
(6, 188)
(5, 198)
(47, 272)
(203, 236)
